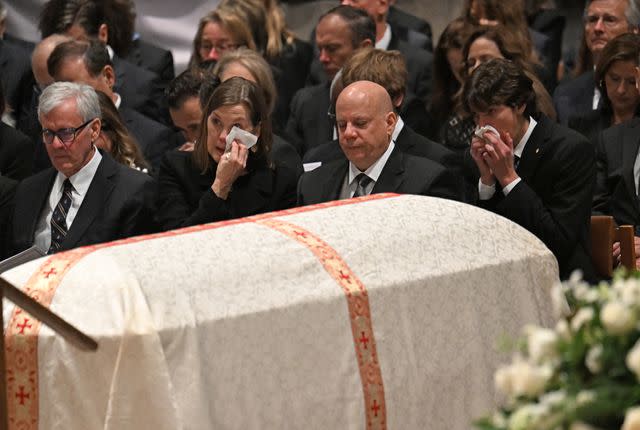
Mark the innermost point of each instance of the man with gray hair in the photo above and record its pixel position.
(86, 197)
(603, 21)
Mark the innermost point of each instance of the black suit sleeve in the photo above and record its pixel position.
(601, 194)
(557, 220)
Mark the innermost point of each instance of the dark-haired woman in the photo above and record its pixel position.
(215, 183)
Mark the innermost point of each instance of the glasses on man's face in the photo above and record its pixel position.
(607, 20)
(65, 135)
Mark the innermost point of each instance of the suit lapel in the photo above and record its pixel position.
(32, 209)
(392, 174)
(630, 146)
(332, 186)
(93, 204)
(534, 149)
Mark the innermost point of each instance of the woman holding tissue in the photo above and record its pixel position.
(226, 176)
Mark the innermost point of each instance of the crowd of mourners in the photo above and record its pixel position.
(100, 140)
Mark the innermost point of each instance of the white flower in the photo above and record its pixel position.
(503, 381)
(593, 360)
(553, 398)
(541, 343)
(528, 380)
(632, 419)
(585, 397)
(633, 359)
(628, 291)
(563, 330)
(499, 420)
(581, 426)
(526, 417)
(583, 316)
(617, 318)
(559, 301)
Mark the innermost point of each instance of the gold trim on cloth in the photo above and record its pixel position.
(21, 336)
(359, 315)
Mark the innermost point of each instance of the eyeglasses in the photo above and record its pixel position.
(220, 48)
(607, 20)
(65, 135)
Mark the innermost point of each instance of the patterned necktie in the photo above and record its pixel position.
(59, 218)
(363, 181)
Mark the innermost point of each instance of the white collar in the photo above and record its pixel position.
(398, 128)
(110, 51)
(384, 42)
(520, 146)
(375, 169)
(118, 101)
(82, 178)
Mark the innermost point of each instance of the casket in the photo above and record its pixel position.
(379, 312)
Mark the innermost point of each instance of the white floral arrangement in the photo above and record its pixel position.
(583, 374)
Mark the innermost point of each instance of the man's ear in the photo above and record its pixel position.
(391, 118)
(109, 75)
(103, 33)
(365, 43)
(397, 102)
(520, 109)
(95, 129)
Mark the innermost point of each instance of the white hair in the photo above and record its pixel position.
(57, 93)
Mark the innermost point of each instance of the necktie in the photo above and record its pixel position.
(516, 162)
(59, 218)
(363, 181)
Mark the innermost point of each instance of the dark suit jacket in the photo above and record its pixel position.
(400, 19)
(283, 153)
(16, 153)
(16, 77)
(553, 199)
(403, 174)
(118, 204)
(419, 66)
(7, 193)
(574, 97)
(152, 58)
(141, 90)
(185, 198)
(591, 124)
(615, 193)
(154, 138)
(309, 125)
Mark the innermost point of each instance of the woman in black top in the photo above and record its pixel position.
(214, 184)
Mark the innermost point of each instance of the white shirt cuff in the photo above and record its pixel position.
(506, 190)
(485, 192)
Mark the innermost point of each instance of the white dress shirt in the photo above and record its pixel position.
(80, 182)
(350, 184)
(384, 42)
(485, 192)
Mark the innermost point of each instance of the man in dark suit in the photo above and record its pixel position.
(89, 63)
(86, 197)
(617, 174)
(398, 18)
(16, 78)
(534, 172)
(97, 20)
(373, 164)
(340, 32)
(604, 20)
(152, 58)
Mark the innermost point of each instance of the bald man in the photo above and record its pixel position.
(372, 163)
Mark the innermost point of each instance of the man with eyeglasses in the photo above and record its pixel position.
(603, 21)
(86, 197)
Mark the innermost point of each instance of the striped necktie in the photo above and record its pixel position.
(59, 218)
(363, 181)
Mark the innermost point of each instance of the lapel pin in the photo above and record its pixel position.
(537, 150)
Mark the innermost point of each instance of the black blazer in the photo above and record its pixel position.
(615, 194)
(140, 90)
(591, 124)
(152, 58)
(403, 174)
(553, 199)
(574, 97)
(398, 18)
(7, 193)
(16, 77)
(118, 204)
(185, 198)
(154, 138)
(419, 67)
(16, 153)
(309, 125)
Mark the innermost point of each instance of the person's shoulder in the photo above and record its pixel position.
(13, 137)
(627, 128)
(576, 84)
(417, 166)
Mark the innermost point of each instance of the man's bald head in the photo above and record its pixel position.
(40, 56)
(365, 120)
